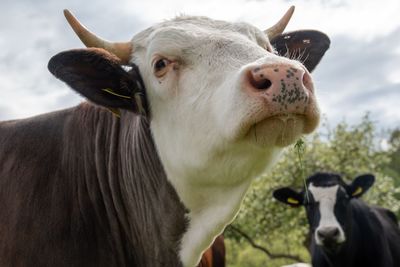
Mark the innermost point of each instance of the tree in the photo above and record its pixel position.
(279, 231)
(394, 149)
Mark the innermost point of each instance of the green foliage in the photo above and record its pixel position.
(348, 150)
(393, 167)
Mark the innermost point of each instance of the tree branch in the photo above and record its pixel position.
(271, 255)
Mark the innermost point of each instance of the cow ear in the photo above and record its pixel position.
(307, 46)
(360, 185)
(97, 75)
(288, 196)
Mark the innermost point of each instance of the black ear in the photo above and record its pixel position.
(307, 46)
(288, 196)
(98, 75)
(360, 185)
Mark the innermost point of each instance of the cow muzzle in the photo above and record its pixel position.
(330, 237)
(284, 88)
(281, 96)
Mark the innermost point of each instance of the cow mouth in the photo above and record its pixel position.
(331, 247)
(280, 130)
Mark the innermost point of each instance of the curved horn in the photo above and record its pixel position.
(122, 50)
(280, 26)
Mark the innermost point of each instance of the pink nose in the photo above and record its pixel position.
(284, 86)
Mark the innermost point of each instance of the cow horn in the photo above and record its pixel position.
(280, 26)
(122, 50)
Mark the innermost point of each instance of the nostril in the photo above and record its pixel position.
(335, 232)
(328, 233)
(320, 234)
(259, 81)
(263, 84)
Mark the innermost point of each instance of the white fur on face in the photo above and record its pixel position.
(199, 112)
(326, 197)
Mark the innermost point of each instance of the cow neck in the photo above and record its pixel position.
(126, 187)
(213, 196)
(209, 220)
(366, 234)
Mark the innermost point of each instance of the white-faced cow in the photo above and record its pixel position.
(201, 107)
(345, 231)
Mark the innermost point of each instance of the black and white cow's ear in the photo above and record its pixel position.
(307, 46)
(99, 76)
(360, 185)
(288, 196)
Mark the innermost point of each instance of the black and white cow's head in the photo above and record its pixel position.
(327, 202)
(222, 102)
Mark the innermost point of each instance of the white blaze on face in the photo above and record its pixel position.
(326, 197)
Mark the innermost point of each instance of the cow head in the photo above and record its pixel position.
(221, 101)
(327, 202)
(215, 90)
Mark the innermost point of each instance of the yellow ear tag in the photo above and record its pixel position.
(357, 192)
(110, 91)
(291, 200)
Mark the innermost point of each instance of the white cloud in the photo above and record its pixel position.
(394, 76)
(363, 19)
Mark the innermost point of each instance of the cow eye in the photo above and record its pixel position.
(160, 66)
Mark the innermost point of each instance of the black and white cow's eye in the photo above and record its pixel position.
(160, 66)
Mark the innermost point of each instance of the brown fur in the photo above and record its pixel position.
(215, 255)
(80, 187)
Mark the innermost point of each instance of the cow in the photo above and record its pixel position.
(155, 164)
(215, 255)
(345, 231)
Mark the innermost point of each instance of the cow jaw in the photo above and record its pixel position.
(287, 129)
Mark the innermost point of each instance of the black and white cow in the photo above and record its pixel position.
(201, 108)
(346, 232)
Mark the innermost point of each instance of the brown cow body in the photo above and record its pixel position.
(215, 255)
(63, 179)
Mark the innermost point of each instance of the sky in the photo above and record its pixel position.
(360, 72)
